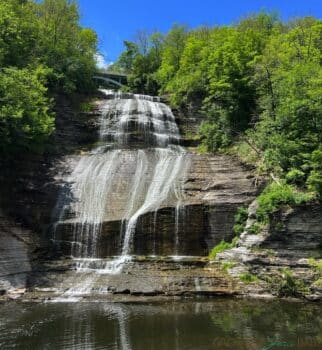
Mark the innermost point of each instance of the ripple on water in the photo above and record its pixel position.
(222, 324)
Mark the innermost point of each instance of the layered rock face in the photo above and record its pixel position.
(29, 188)
(296, 233)
(140, 189)
(193, 199)
(14, 255)
(285, 254)
(192, 209)
(213, 190)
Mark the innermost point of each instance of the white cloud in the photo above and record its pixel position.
(101, 62)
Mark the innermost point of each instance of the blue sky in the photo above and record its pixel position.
(118, 20)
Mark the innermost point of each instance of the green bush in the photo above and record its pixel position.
(240, 220)
(248, 277)
(316, 265)
(288, 286)
(213, 136)
(254, 229)
(222, 246)
(276, 195)
(226, 265)
(25, 119)
(295, 176)
(318, 283)
(314, 182)
(86, 107)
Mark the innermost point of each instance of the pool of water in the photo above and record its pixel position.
(218, 324)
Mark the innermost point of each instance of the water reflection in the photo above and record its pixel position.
(219, 324)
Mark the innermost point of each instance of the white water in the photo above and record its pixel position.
(138, 136)
(167, 170)
(197, 284)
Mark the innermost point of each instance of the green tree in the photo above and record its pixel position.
(171, 54)
(25, 117)
(65, 46)
(42, 45)
(232, 98)
(19, 32)
(124, 63)
(190, 82)
(289, 81)
(140, 61)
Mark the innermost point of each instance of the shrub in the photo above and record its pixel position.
(254, 229)
(226, 265)
(276, 195)
(240, 220)
(248, 277)
(288, 286)
(295, 176)
(86, 107)
(318, 283)
(314, 182)
(222, 246)
(213, 136)
(316, 265)
(25, 118)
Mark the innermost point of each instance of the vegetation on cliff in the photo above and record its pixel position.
(255, 85)
(43, 51)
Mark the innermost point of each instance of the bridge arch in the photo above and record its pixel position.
(113, 78)
(109, 80)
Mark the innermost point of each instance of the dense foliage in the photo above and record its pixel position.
(257, 84)
(25, 119)
(43, 50)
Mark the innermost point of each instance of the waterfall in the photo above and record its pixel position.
(166, 172)
(137, 167)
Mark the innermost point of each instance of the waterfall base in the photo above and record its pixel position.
(157, 233)
(142, 276)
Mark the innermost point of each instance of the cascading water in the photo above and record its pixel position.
(139, 138)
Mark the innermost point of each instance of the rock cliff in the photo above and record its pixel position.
(214, 187)
(284, 259)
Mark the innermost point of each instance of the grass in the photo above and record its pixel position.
(288, 286)
(248, 277)
(227, 265)
(222, 246)
(86, 107)
(318, 283)
(316, 265)
(255, 228)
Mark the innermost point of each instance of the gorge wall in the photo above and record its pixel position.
(35, 233)
(198, 194)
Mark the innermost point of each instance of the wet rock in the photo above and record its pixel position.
(15, 247)
(205, 217)
(214, 188)
(144, 278)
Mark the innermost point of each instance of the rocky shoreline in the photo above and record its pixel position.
(149, 278)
